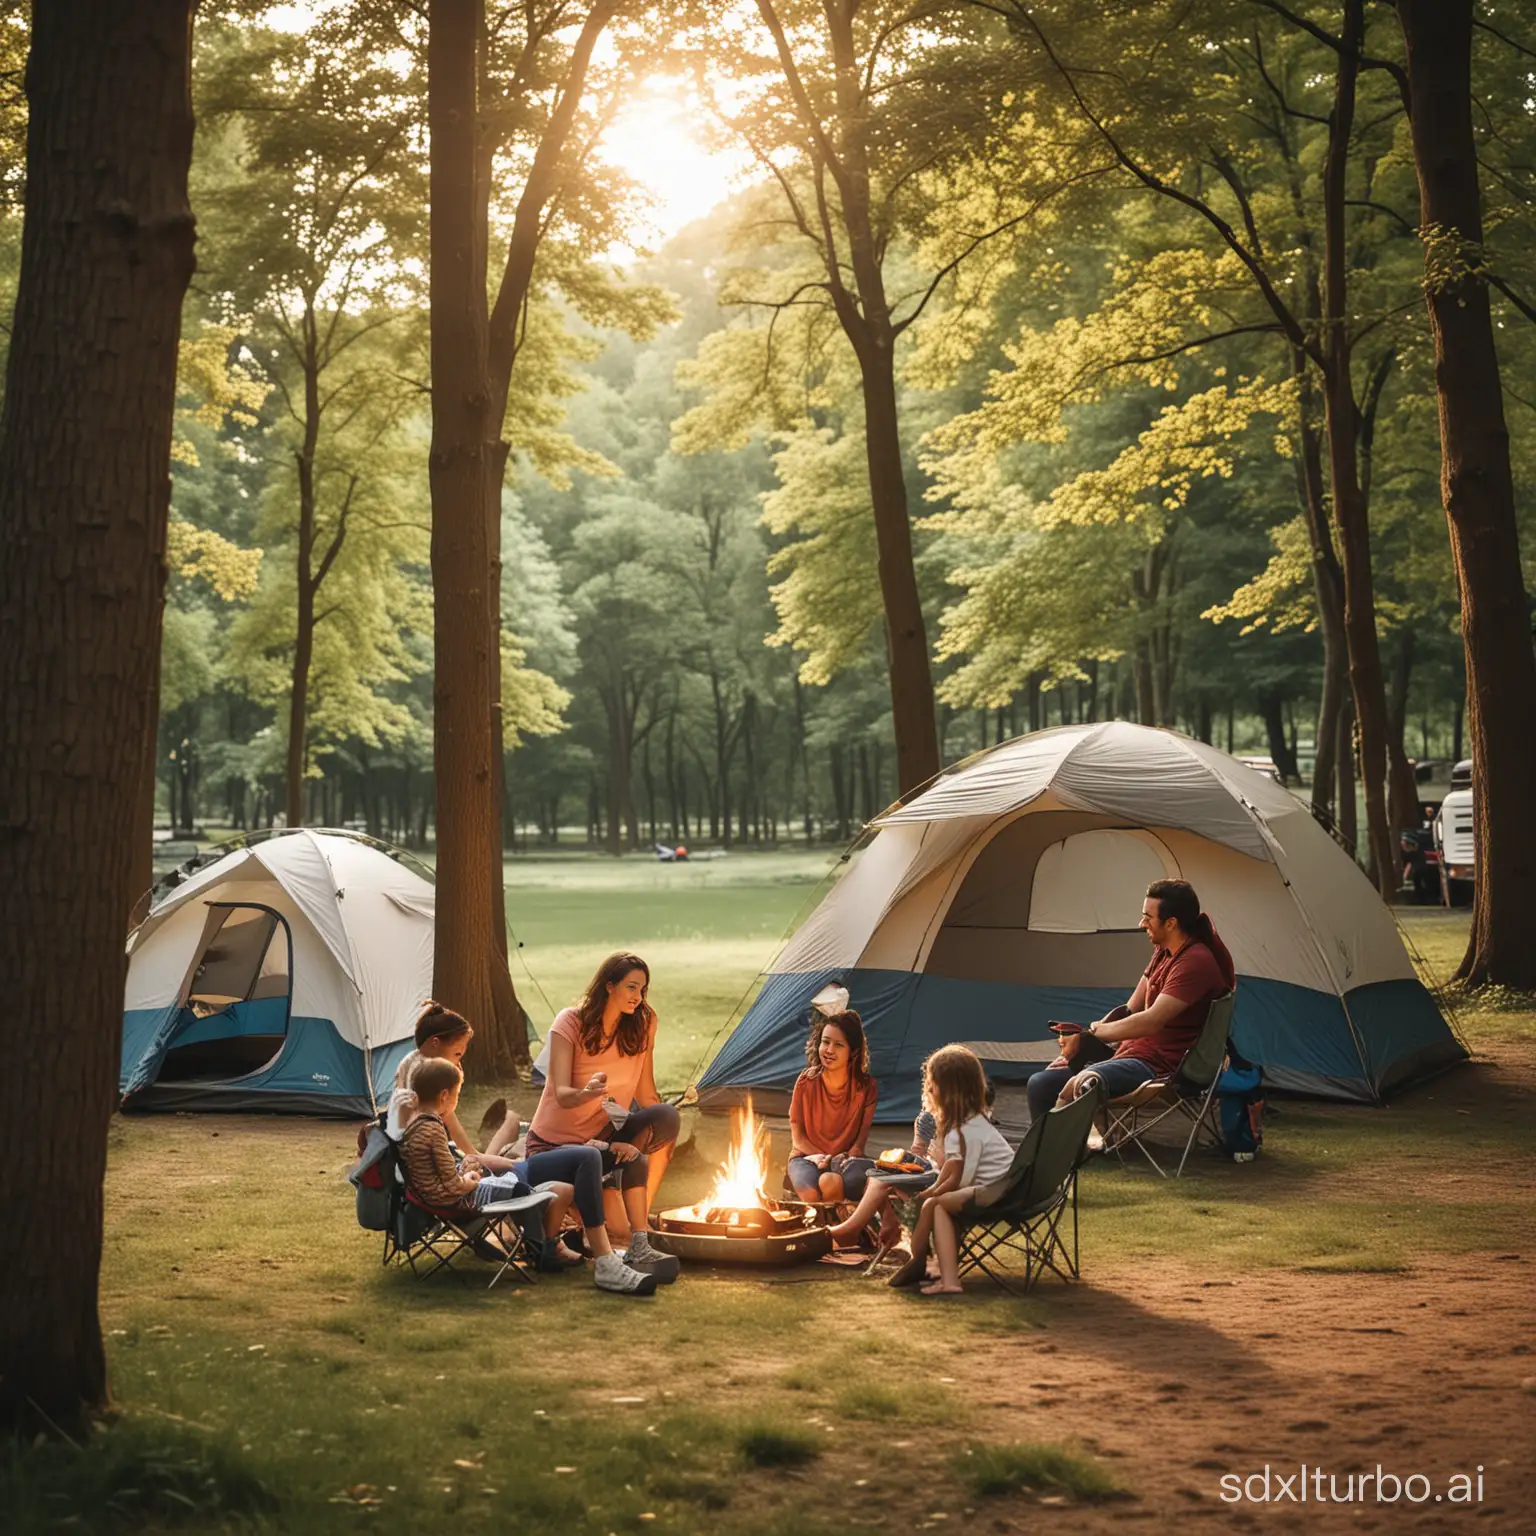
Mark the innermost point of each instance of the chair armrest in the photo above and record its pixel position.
(539, 1197)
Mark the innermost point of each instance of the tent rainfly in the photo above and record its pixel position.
(285, 976)
(1007, 894)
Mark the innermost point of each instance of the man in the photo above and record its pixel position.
(1154, 1031)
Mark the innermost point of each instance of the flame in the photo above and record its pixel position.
(743, 1178)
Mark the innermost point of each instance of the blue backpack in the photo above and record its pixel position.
(1240, 1109)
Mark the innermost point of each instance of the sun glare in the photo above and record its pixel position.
(652, 140)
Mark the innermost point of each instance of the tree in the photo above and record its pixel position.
(1154, 136)
(1477, 490)
(85, 442)
(479, 101)
(311, 211)
(858, 109)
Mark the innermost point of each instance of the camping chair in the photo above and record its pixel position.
(1042, 1189)
(1189, 1092)
(448, 1233)
(428, 1239)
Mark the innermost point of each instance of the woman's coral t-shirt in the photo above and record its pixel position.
(588, 1121)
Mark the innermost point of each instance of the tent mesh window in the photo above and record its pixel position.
(235, 1017)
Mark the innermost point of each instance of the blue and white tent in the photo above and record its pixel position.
(285, 976)
(1007, 894)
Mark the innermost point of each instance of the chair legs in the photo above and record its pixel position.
(1040, 1238)
(1127, 1127)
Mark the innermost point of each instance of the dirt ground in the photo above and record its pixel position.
(1428, 1372)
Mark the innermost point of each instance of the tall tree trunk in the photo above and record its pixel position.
(85, 440)
(141, 869)
(864, 313)
(304, 617)
(1328, 583)
(1403, 792)
(1349, 501)
(505, 1053)
(1478, 493)
(906, 636)
(1348, 820)
(460, 470)
(1272, 707)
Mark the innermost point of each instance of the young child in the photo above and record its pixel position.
(441, 1181)
(442, 1034)
(976, 1161)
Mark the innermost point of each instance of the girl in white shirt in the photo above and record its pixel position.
(977, 1160)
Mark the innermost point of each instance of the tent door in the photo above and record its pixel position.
(236, 1000)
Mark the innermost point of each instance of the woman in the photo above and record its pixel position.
(600, 1091)
(443, 1035)
(831, 1111)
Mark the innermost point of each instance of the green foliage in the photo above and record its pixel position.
(994, 1471)
(828, 601)
(769, 1445)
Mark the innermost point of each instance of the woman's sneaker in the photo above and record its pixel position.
(611, 1273)
(642, 1256)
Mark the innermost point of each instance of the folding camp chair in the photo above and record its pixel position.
(428, 1239)
(1189, 1092)
(1042, 1189)
(447, 1234)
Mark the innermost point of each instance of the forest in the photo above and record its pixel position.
(394, 437)
(1107, 418)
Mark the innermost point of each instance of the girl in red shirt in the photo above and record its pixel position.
(831, 1111)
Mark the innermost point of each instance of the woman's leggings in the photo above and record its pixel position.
(652, 1128)
(580, 1167)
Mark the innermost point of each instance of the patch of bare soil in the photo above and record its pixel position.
(1177, 1381)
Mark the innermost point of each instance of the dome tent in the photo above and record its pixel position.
(1008, 892)
(286, 975)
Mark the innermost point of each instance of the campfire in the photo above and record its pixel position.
(739, 1222)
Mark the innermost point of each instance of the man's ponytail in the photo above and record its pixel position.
(1176, 899)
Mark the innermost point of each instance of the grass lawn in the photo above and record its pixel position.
(269, 1375)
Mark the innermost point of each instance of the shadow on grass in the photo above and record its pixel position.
(132, 1474)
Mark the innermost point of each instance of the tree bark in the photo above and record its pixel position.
(1349, 502)
(481, 378)
(1348, 819)
(1328, 583)
(1478, 494)
(462, 443)
(141, 868)
(1272, 707)
(85, 439)
(912, 704)
(1402, 791)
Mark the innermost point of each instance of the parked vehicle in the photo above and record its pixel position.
(1265, 765)
(1454, 841)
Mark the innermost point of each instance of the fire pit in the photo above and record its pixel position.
(739, 1223)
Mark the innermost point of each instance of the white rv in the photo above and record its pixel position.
(1454, 839)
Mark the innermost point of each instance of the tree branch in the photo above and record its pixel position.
(1277, 305)
(898, 326)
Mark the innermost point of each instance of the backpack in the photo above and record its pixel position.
(373, 1177)
(1240, 1109)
